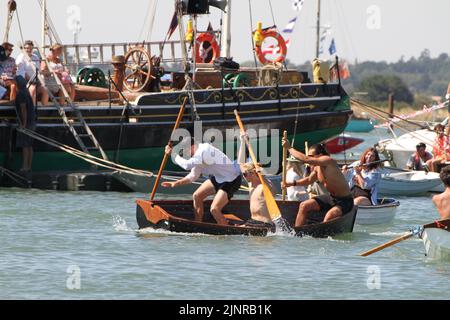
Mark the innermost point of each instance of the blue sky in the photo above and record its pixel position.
(363, 29)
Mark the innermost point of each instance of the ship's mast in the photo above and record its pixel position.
(44, 24)
(318, 29)
(226, 32)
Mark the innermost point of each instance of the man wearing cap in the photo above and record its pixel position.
(8, 71)
(224, 178)
(417, 161)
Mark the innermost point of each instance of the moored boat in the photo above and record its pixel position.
(178, 216)
(408, 183)
(383, 212)
(437, 240)
(360, 125)
(342, 143)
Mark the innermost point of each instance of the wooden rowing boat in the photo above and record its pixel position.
(383, 212)
(178, 216)
(437, 240)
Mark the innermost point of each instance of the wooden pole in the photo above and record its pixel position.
(391, 105)
(283, 192)
(166, 156)
(318, 29)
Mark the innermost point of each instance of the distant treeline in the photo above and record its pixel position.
(412, 81)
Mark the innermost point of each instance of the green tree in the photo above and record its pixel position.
(380, 86)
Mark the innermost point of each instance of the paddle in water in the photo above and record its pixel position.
(416, 231)
(274, 211)
(166, 156)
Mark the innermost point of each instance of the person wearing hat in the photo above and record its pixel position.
(8, 71)
(55, 63)
(295, 172)
(418, 160)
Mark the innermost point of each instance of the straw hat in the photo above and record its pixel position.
(55, 47)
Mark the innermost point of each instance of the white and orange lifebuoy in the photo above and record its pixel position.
(281, 47)
(201, 57)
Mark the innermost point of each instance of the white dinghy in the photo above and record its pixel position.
(382, 213)
(408, 183)
(437, 240)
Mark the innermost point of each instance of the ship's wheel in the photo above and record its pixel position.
(138, 69)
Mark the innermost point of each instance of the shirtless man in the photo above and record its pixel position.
(260, 216)
(325, 170)
(442, 201)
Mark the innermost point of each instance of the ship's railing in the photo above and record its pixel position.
(102, 53)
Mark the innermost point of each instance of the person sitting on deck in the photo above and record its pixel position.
(326, 170)
(294, 172)
(417, 161)
(441, 148)
(28, 64)
(27, 120)
(224, 178)
(8, 72)
(364, 178)
(442, 201)
(55, 62)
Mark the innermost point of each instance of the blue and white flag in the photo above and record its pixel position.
(297, 5)
(290, 26)
(332, 48)
(323, 36)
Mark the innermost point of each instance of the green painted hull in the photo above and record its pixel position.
(142, 158)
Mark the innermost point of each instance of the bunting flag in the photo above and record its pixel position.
(288, 30)
(290, 26)
(173, 25)
(322, 39)
(297, 5)
(332, 48)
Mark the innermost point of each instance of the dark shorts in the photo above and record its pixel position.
(256, 223)
(326, 202)
(360, 192)
(229, 187)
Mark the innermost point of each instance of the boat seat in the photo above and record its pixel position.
(233, 219)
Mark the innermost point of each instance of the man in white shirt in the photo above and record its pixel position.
(27, 65)
(224, 178)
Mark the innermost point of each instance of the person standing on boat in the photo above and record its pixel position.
(417, 161)
(442, 201)
(441, 148)
(8, 71)
(364, 178)
(27, 120)
(325, 169)
(224, 178)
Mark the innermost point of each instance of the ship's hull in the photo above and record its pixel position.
(312, 113)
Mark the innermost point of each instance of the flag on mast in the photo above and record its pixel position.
(332, 48)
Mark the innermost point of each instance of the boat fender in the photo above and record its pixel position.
(214, 46)
(281, 47)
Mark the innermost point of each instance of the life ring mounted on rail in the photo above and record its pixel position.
(282, 48)
(202, 53)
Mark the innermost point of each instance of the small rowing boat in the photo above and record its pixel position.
(178, 216)
(408, 183)
(437, 240)
(383, 212)
(342, 143)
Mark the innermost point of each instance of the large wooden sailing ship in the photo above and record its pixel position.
(128, 122)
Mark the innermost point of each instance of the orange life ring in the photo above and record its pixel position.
(214, 47)
(281, 45)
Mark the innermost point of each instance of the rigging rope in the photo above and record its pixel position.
(251, 35)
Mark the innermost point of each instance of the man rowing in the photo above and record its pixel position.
(325, 170)
(224, 178)
(442, 201)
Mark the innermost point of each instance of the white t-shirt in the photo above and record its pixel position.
(209, 161)
(25, 67)
(297, 193)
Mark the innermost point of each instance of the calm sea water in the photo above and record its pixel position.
(85, 245)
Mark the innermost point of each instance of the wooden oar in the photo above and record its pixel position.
(166, 156)
(272, 206)
(396, 240)
(283, 193)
